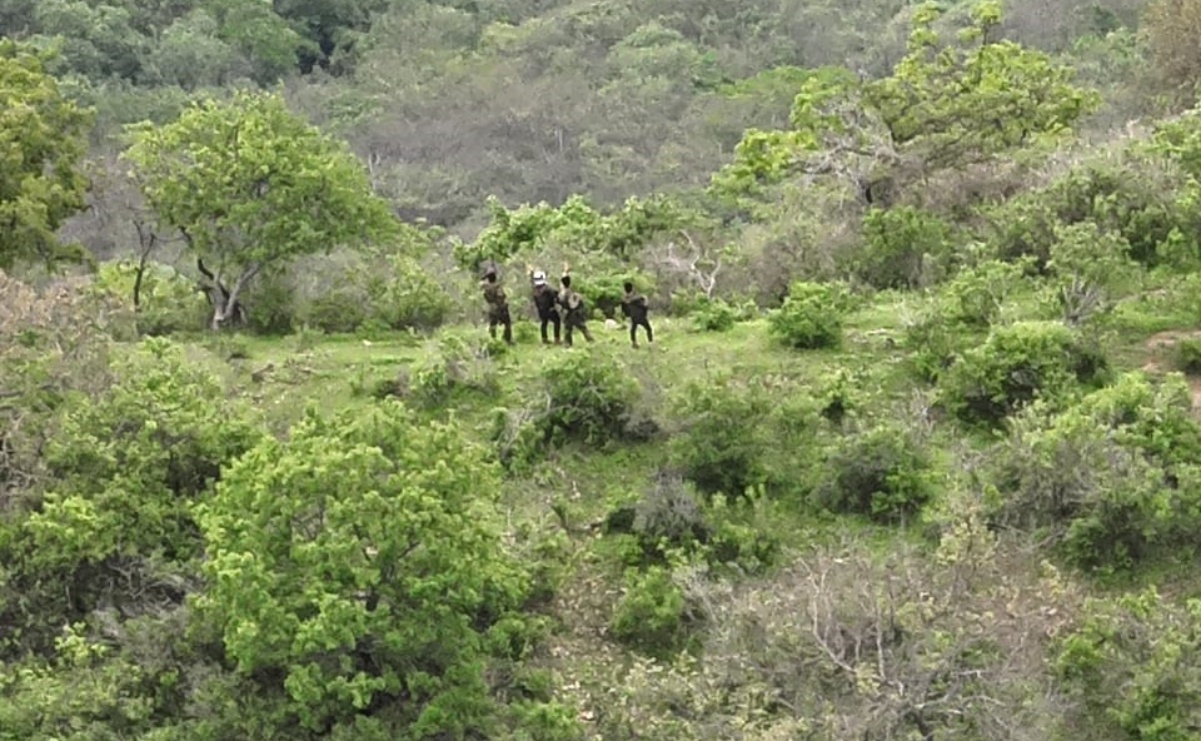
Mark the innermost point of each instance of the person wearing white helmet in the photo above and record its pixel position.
(546, 304)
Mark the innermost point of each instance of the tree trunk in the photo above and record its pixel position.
(226, 303)
(230, 307)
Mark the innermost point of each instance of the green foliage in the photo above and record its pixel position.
(575, 224)
(121, 471)
(882, 472)
(764, 157)
(811, 317)
(1188, 356)
(1132, 198)
(167, 301)
(720, 443)
(944, 99)
(459, 366)
(129, 462)
(252, 186)
(82, 693)
(938, 110)
(715, 315)
(902, 246)
(1088, 267)
(42, 145)
(371, 547)
(391, 291)
(1131, 668)
(653, 615)
(1113, 478)
(976, 295)
(589, 397)
(1015, 365)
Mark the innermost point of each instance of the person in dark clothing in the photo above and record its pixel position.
(498, 305)
(635, 306)
(546, 303)
(574, 311)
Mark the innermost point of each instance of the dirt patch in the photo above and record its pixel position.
(1167, 340)
(1159, 347)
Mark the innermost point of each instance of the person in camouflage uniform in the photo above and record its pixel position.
(635, 306)
(498, 305)
(546, 302)
(574, 310)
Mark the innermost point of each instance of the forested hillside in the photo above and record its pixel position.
(915, 452)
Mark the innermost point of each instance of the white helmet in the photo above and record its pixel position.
(539, 278)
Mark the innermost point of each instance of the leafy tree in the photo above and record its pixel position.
(121, 469)
(42, 143)
(943, 107)
(250, 186)
(576, 223)
(359, 561)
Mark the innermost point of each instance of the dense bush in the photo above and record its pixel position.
(810, 318)
(458, 365)
(903, 247)
(1113, 480)
(882, 472)
(1188, 356)
(589, 397)
(1017, 364)
(374, 547)
(114, 525)
(653, 614)
(1130, 668)
(720, 444)
(385, 291)
(1132, 198)
(166, 301)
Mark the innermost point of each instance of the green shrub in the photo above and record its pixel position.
(810, 318)
(901, 247)
(720, 442)
(1188, 356)
(668, 517)
(459, 365)
(403, 295)
(1015, 365)
(882, 472)
(271, 305)
(342, 309)
(168, 302)
(714, 316)
(976, 295)
(1129, 669)
(653, 615)
(589, 397)
(1112, 481)
(374, 293)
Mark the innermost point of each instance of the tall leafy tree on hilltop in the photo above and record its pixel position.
(42, 143)
(251, 186)
(945, 106)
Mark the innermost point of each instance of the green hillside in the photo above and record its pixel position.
(913, 453)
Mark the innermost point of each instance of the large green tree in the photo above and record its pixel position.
(945, 106)
(358, 562)
(251, 185)
(42, 142)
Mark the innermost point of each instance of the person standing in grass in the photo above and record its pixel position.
(545, 302)
(574, 316)
(635, 306)
(498, 305)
